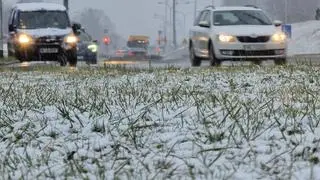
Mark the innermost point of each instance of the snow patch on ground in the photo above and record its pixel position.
(305, 38)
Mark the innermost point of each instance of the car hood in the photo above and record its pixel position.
(245, 30)
(46, 32)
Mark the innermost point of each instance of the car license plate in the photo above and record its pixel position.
(255, 47)
(80, 57)
(48, 50)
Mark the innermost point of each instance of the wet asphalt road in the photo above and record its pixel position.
(179, 63)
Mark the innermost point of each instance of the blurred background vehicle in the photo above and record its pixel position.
(87, 48)
(138, 46)
(122, 53)
(42, 32)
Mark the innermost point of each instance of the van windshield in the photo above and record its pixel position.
(43, 19)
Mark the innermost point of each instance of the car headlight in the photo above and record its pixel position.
(71, 39)
(93, 47)
(278, 37)
(226, 38)
(24, 39)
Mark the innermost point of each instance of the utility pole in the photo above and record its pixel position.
(1, 30)
(285, 11)
(195, 10)
(165, 25)
(174, 24)
(66, 4)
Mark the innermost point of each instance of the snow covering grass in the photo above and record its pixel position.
(242, 122)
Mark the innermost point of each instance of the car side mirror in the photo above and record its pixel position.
(12, 28)
(76, 27)
(204, 24)
(277, 23)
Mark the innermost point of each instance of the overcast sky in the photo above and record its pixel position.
(137, 16)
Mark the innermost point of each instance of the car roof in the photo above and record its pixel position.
(231, 8)
(37, 6)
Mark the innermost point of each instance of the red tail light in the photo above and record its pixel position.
(130, 53)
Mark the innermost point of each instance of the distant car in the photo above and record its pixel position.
(122, 53)
(87, 48)
(43, 32)
(131, 53)
(236, 33)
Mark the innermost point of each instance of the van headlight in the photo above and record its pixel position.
(226, 38)
(71, 39)
(24, 39)
(278, 37)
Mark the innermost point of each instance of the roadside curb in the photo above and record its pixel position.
(8, 63)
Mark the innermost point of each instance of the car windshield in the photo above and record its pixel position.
(137, 44)
(240, 17)
(43, 19)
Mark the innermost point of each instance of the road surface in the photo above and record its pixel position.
(179, 62)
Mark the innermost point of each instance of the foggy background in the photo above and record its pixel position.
(146, 17)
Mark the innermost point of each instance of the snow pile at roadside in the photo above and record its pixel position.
(189, 124)
(305, 38)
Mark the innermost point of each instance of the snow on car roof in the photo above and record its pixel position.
(230, 8)
(39, 6)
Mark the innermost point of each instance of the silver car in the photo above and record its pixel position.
(236, 33)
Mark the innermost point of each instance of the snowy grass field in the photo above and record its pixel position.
(244, 122)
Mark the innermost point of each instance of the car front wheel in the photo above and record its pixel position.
(195, 61)
(214, 61)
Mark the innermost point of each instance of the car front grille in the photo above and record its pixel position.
(254, 53)
(248, 39)
(49, 40)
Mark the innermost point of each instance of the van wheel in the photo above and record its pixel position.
(280, 61)
(62, 58)
(195, 61)
(72, 58)
(73, 61)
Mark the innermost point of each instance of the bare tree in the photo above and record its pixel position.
(95, 21)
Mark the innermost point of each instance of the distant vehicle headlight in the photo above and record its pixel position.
(93, 47)
(24, 39)
(278, 37)
(226, 38)
(71, 39)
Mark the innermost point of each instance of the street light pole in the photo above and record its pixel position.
(166, 19)
(195, 9)
(174, 23)
(1, 30)
(285, 11)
